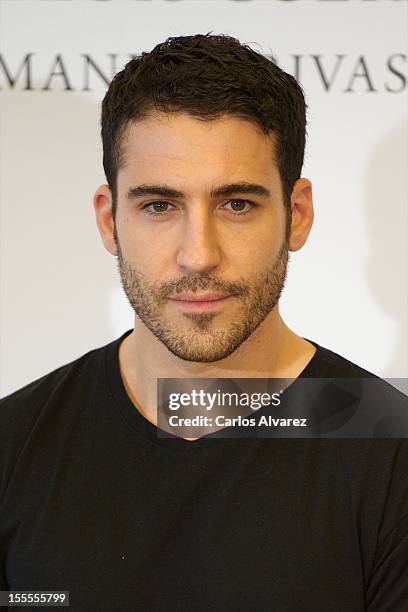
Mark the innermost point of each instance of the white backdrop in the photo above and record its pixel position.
(60, 291)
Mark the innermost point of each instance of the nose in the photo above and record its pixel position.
(199, 250)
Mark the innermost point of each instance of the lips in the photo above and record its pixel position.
(196, 297)
(204, 302)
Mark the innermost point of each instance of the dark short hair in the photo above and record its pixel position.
(207, 76)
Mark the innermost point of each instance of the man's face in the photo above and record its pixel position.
(188, 233)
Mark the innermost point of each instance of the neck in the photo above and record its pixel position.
(272, 351)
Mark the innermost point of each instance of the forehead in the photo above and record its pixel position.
(179, 146)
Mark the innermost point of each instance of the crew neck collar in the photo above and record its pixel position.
(144, 428)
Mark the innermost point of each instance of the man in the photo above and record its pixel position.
(203, 149)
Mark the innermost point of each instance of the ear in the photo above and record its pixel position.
(302, 213)
(103, 210)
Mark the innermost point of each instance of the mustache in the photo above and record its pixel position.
(202, 283)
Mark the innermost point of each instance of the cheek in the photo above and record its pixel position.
(149, 257)
(249, 260)
(257, 249)
(136, 243)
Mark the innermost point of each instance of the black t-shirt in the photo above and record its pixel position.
(93, 502)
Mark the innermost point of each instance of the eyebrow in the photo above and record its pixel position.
(223, 190)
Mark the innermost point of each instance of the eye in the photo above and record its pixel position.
(238, 207)
(159, 207)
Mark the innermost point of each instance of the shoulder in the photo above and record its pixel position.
(30, 407)
(328, 364)
(29, 397)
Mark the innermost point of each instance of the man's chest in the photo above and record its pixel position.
(227, 537)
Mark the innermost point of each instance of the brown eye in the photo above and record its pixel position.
(159, 206)
(156, 208)
(238, 207)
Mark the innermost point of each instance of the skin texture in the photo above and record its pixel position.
(198, 242)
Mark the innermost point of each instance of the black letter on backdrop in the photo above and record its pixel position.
(361, 63)
(397, 73)
(26, 63)
(328, 81)
(61, 72)
(90, 62)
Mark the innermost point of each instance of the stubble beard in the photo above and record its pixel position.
(202, 341)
